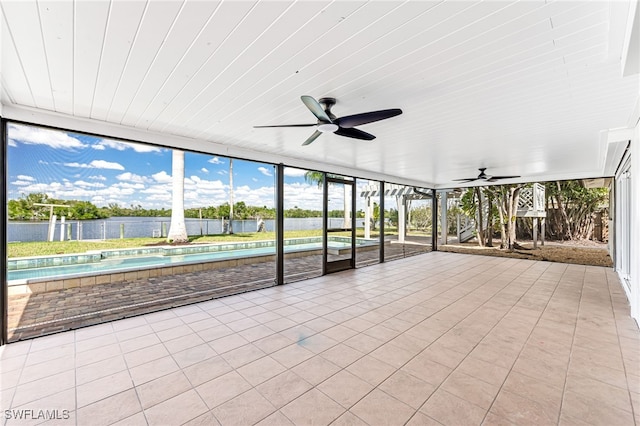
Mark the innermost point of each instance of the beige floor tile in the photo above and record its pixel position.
(39, 389)
(96, 355)
(177, 410)
(153, 370)
(183, 342)
(318, 343)
(100, 369)
(518, 409)
(102, 388)
(206, 419)
(137, 419)
(483, 370)
(339, 333)
(46, 369)
(392, 355)
(110, 410)
(421, 419)
(608, 375)
(222, 389)
(407, 388)
(256, 333)
(261, 370)
(212, 333)
(292, 355)
(378, 408)
(283, 388)
(245, 409)
(349, 419)
(549, 397)
(593, 411)
(600, 391)
(275, 419)
(548, 371)
(243, 355)
(138, 342)
(206, 370)
(345, 388)
(316, 370)
(429, 371)
(228, 343)
(96, 342)
(471, 389)
(145, 355)
(442, 355)
(194, 355)
(272, 343)
(163, 388)
(371, 370)
(134, 333)
(364, 343)
(342, 355)
(313, 407)
(448, 409)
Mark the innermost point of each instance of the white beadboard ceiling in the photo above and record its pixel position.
(526, 88)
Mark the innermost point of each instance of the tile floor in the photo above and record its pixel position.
(439, 338)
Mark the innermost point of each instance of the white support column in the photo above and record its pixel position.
(62, 229)
(52, 227)
(535, 232)
(443, 218)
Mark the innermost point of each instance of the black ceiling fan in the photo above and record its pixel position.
(343, 126)
(485, 177)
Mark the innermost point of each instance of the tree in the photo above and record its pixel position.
(177, 228)
(318, 178)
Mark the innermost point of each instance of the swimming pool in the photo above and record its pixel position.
(24, 270)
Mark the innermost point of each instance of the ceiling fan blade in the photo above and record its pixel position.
(465, 180)
(367, 117)
(354, 133)
(495, 178)
(315, 108)
(286, 125)
(312, 138)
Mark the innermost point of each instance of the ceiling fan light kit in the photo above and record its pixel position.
(343, 126)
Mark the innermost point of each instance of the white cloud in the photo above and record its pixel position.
(265, 171)
(43, 162)
(162, 177)
(204, 170)
(254, 179)
(84, 184)
(223, 172)
(24, 177)
(97, 177)
(97, 164)
(290, 171)
(31, 135)
(121, 146)
(132, 177)
(216, 160)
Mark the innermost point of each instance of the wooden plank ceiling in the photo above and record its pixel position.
(521, 87)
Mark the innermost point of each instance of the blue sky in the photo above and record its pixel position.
(66, 165)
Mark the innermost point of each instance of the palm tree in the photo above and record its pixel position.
(318, 178)
(177, 229)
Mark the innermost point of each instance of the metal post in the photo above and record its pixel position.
(381, 222)
(325, 222)
(434, 220)
(280, 224)
(444, 230)
(4, 291)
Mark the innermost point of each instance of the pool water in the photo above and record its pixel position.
(122, 264)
